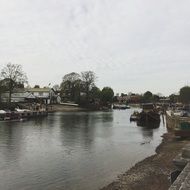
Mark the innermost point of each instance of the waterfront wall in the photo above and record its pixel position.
(182, 162)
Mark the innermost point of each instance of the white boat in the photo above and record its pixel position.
(121, 106)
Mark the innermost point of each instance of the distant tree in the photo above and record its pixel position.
(184, 94)
(20, 85)
(37, 86)
(155, 98)
(3, 87)
(107, 95)
(88, 80)
(173, 98)
(95, 93)
(115, 99)
(14, 74)
(70, 86)
(56, 87)
(147, 97)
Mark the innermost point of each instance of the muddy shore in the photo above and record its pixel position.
(64, 108)
(153, 173)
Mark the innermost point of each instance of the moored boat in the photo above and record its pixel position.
(149, 115)
(134, 116)
(121, 106)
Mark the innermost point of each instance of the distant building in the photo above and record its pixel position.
(44, 95)
(128, 98)
(135, 98)
(19, 96)
(123, 98)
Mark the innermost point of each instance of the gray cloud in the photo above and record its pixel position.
(132, 45)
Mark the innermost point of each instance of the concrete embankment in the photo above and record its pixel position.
(182, 163)
(153, 173)
(64, 108)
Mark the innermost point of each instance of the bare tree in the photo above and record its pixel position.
(88, 78)
(14, 74)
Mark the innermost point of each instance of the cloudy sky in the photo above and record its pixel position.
(131, 45)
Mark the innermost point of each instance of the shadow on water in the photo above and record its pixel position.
(148, 128)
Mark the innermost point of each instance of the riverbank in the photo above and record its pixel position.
(64, 108)
(153, 172)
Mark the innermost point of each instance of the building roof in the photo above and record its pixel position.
(18, 95)
(38, 89)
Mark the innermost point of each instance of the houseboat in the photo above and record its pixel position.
(148, 115)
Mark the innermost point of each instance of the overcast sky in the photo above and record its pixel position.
(131, 45)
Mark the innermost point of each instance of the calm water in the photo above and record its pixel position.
(83, 150)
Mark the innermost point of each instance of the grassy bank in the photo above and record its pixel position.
(153, 172)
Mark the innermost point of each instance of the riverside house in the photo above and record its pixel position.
(45, 95)
(18, 96)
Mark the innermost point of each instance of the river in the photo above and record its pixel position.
(73, 151)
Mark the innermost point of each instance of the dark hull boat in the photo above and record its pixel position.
(149, 116)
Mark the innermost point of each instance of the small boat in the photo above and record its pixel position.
(134, 116)
(121, 106)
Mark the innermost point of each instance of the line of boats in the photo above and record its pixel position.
(21, 114)
(177, 118)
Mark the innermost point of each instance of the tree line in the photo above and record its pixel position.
(81, 88)
(78, 88)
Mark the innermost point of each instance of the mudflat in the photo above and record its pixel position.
(153, 173)
(64, 108)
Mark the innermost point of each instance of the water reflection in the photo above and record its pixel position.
(10, 141)
(149, 125)
(83, 150)
(83, 127)
(149, 128)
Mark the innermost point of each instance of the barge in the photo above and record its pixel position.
(149, 115)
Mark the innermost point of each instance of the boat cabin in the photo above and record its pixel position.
(148, 107)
